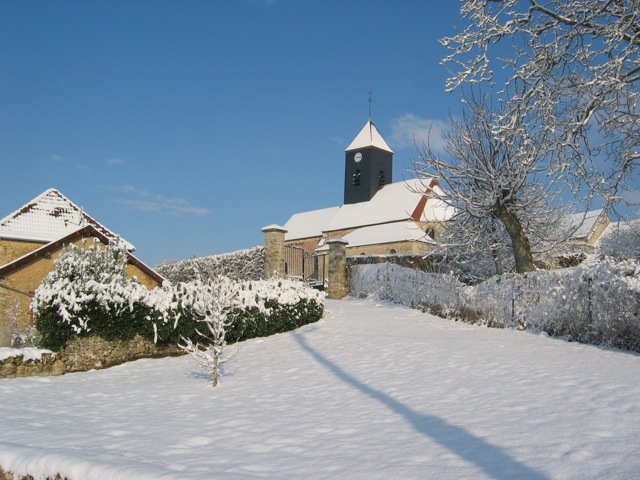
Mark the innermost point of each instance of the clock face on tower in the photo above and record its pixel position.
(358, 157)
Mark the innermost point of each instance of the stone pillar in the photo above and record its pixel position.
(338, 274)
(274, 254)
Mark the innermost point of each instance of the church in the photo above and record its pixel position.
(377, 216)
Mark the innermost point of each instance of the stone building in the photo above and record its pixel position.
(31, 238)
(377, 216)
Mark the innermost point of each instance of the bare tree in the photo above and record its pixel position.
(571, 73)
(212, 302)
(504, 202)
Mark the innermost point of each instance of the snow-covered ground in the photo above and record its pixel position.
(372, 391)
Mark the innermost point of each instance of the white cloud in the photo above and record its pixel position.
(57, 158)
(115, 161)
(411, 131)
(148, 202)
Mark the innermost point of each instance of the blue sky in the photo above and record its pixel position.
(187, 126)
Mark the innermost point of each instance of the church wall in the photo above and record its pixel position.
(413, 247)
(339, 233)
(309, 244)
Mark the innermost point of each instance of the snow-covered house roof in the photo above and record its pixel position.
(369, 136)
(86, 231)
(586, 223)
(49, 217)
(396, 202)
(386, 233)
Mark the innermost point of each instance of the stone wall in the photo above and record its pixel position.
(10, 476)
(274, 254)
(12, 249)
(50, 364)
(338, 272)
(87, 353)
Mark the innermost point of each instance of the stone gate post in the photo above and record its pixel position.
(274, 251)
(338, 273)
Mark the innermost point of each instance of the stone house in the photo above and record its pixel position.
(31, 239)
(592, 225)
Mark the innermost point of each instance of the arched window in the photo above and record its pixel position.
(356, 178)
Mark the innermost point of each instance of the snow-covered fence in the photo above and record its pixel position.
(240, 265)
(414, 288)
(598, 303)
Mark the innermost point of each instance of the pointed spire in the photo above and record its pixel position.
(369, 136)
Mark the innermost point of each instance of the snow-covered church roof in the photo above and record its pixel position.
(396, 202)
(309, 224)
(47, 218)
(386, 233)
(369, 136)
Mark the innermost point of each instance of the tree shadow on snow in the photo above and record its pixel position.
(492, 460)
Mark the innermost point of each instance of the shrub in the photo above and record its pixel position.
(89, 293)
(241, 265)
(596, 303)
(262, 308)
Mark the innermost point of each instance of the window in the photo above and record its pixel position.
(356, 178)
(381, 179)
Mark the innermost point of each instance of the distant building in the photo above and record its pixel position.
(377, 215)
(31, 238)
(380, 217)
(591, 225)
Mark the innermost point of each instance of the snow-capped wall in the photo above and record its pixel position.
(598, 303)
(240, 265)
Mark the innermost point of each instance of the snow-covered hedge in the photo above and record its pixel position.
(241, 265)
(275, 306)
(597, 303)
(89, 293)
(262, 308)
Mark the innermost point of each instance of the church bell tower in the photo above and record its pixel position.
(368, 165)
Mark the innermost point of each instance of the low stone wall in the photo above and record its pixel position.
(48, 365)
(82, 354)
(88, 353)
(10, 476)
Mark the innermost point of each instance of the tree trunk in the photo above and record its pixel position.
(521, 248)
(215, 371)
(494, 252)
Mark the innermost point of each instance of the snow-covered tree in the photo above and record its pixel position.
(212, 303)
(89, 291)
(569, 71)
(503, 200)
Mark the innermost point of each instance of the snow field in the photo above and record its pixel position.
(373, 391)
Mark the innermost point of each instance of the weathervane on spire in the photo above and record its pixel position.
(370, 101)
